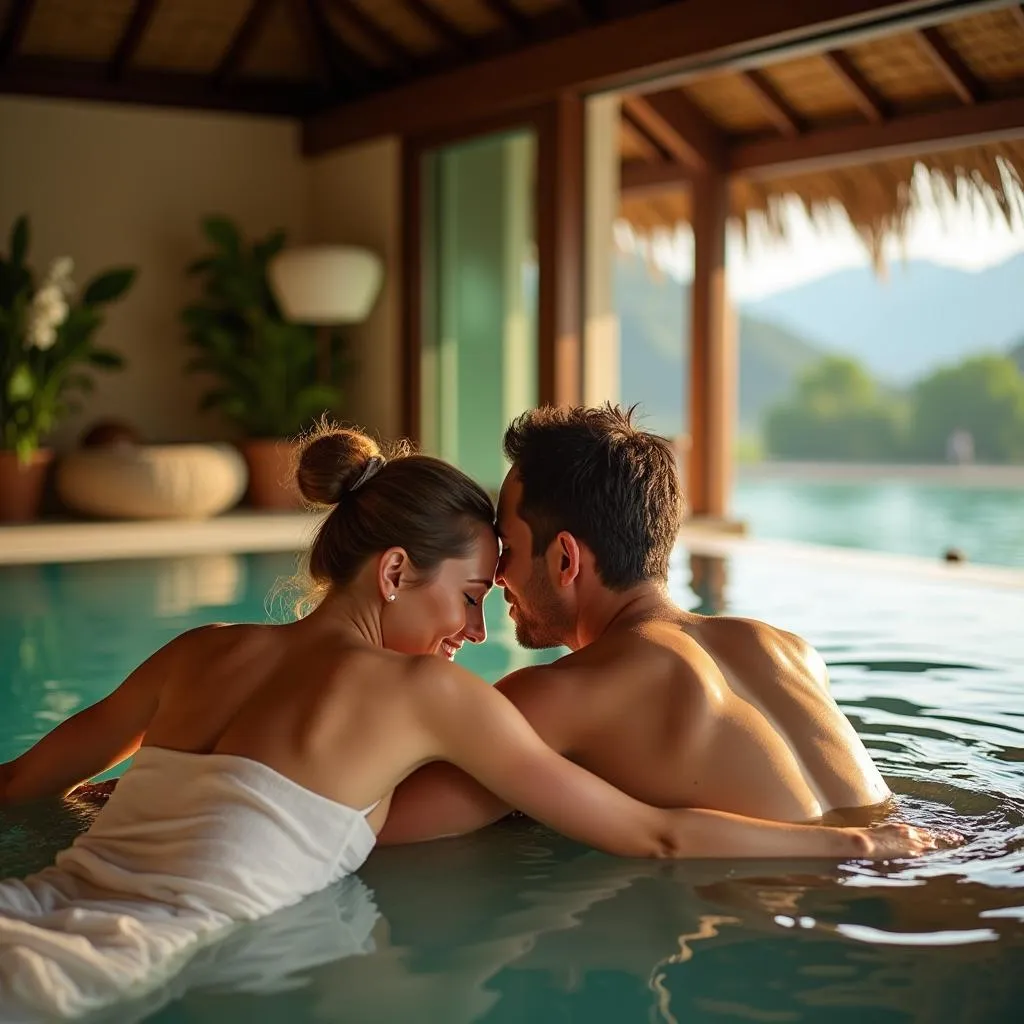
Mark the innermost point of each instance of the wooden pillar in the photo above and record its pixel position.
(560, 192)
(411, 290)
(713, 363)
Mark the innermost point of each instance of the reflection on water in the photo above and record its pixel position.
(516, 923)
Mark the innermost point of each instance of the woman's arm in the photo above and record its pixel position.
(97, 738)
(480, 731)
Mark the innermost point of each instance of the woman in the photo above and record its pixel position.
(266, 755)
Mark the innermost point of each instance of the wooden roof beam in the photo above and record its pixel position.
(511, 17)
(951, 65)
(679, 127)
(862, 92)
(779, 112)
(58, 77)
(914, 135)
(142, 15)
(678, 39)
(243, 42)
(308, 20)
(375, 32)
(452, 36)
(14, 31)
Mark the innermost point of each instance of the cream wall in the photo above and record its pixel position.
(354, 197)
(112, 185)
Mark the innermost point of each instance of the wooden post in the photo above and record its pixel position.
(713, 362)
(560, 191)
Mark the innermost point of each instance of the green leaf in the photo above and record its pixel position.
(19, 240)
(22, 385)
(106, 359)
(223, 234)
(109, 286)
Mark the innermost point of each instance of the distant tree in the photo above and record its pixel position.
(838, 412)
(984, 396)
(1017, 354)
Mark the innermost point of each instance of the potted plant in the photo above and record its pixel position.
(265, 367)
(46, 345)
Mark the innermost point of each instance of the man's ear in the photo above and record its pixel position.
(392, 570)
(567, 549)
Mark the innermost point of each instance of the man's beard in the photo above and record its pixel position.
(540, 621)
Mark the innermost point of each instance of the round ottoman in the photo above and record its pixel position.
(160, 481)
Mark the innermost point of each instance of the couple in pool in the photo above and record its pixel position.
(269, 759)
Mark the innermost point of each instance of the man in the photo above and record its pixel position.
(675, 708)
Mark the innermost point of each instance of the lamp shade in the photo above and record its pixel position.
(326, 284)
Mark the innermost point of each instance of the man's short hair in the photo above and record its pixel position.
(615, 488)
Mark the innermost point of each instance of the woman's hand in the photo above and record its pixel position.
(888, 842)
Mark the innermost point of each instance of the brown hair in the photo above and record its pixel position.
(616, 488)
(383, 500)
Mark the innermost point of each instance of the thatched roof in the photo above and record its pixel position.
(973, 62)
(295, 57)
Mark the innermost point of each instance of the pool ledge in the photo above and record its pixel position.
(246, 531)
(236, 532)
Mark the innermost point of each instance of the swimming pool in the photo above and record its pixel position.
(515, 923)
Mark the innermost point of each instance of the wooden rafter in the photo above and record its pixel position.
(863, 93)
(243, 42)
(912, 135)
(773, 103)
(309, 23)
(14, 31)
(142, 15)
(441, 25)
(373, 30)
(679, 128)
(954, 69)
(511, 17)
(649, 149)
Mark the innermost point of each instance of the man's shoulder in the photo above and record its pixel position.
(751, 638)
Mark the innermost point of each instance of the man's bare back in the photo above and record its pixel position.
(683, 709)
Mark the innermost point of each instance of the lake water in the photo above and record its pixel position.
(905, 516)
(515, 923)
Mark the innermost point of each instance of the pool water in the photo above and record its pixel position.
(516, 923)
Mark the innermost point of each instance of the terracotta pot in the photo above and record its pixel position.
(21, 485)
(271, 474)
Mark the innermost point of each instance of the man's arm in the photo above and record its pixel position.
(442, 800)
(96, 739)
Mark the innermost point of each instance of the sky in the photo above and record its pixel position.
(966, 236)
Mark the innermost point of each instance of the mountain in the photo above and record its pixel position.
(654, 329)
(919, 317)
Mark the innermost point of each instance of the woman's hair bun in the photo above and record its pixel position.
(332, 461)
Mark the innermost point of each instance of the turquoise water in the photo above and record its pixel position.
(518, 924)
(909, 517)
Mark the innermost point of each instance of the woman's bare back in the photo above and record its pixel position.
(330, 714)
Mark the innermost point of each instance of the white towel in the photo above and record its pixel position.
(187, 845)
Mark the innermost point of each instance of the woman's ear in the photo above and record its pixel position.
(394, 569)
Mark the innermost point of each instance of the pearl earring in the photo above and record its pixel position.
(392, 597)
